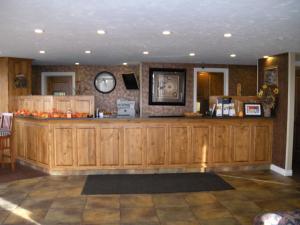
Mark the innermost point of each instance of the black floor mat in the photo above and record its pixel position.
(153, 183)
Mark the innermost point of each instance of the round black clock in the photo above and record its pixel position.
(105, 82)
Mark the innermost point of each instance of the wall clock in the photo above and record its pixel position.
(105, 82)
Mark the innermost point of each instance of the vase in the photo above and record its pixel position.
(267, 112)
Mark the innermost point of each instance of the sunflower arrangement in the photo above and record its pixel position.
(268, 94)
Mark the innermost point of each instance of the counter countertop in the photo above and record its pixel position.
(145, 118)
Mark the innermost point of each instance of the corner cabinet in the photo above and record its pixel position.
(141, 144)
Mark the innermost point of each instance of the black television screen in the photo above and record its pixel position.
(130, 81)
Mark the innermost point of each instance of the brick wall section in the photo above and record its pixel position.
(85, 74)
(85, 79)
(246, 75)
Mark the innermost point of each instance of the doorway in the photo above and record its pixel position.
(58, 83)
(208, 82)
(296, 146)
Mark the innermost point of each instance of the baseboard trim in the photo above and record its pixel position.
(281, 171)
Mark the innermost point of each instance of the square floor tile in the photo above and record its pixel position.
(138, 215)
(169, 214)
(136, 201)
(94, 202)
(101, 216)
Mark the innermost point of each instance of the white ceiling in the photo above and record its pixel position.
(258, 27)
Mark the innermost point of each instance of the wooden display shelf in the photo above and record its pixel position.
(66, 146)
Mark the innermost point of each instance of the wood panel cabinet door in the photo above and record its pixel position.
(20, 140)
(241, 143)
(200, 144)
(178, 145)
(133, 146)
(109, 147)
(156, 146)
(261, 143)
(86, 146)
(63, 146)
(220, 145)
(42, 144)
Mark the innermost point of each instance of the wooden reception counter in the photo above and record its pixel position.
(150, 145)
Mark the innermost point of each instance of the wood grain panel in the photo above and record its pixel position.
(220, 147)
(241, 143)
(156, 146)
(4, 85)
(21, 138)
(86, 146)
(42, 144)
(31, 142)
(178, 145)
(62, 104)
(133, 146)
(261, 143)
(200, 144)
(63, 146)
(109, 147)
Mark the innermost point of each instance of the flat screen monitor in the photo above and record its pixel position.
(130, 81)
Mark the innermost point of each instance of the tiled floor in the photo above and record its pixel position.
(57, 200)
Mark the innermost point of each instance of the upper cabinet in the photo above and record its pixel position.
(15, 80)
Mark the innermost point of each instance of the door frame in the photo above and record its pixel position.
(225, 71)
(45, 75)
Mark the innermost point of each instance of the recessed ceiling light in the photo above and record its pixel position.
(166, 32)
(266, 56)
(227, 35)
(192, 54)
(87, 51)
(101, 32)
(42, 51)
(232, 55)
(145, 52)
(77, 63)
(38, 31)
(125, 63)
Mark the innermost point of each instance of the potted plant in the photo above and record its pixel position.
(268, 95)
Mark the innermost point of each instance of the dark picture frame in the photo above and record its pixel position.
(167, 86)
(271, 75)
(253, 110)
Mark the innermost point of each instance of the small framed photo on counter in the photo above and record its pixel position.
(253, 109)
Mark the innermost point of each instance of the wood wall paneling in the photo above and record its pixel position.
(280, 120)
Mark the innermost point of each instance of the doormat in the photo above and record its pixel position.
(153, 183)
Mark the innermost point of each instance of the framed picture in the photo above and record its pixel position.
(252, 109)
(167, 86)
(271, 76)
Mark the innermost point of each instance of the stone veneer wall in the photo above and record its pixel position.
(85, 75)
(246, 75)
